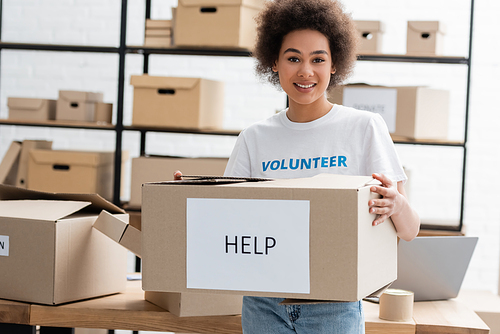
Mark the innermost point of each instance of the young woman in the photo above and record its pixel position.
(306, 47)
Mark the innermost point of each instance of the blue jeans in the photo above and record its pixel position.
(265, 316)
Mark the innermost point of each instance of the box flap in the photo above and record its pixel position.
(148, 81)
(40, 209)
(213, 3)
(9, 163)
(98, 203)
(369, 26)
(24, 103)
(78, 96)
(80, 158)
(119, 231)
(427, 26)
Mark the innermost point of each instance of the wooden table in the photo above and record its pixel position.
(129, 311)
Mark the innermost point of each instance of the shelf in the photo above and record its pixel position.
(403, 140)
(57, 47)
(218, 132)
(414, 59)
(190, 51)
(59, 124)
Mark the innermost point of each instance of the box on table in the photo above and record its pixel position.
(184, 304)
(216, 23)
(238, 238)
(177, 102)
(77, 105)
(49, 252)
(10, 164)
(154, 168)
(425, 38)
(31, 109)
(410, 112)
(72, 172)
(370, 33)
(26, 147)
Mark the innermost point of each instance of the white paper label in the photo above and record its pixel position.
(380, 100)
(248, 245)
(4, 245)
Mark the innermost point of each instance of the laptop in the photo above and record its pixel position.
(433, 267)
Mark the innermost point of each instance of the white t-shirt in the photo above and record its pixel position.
(344, 141)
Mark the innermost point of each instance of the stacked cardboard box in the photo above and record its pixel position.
(370, 35)
(32, 109)
(425, 38)
(82, 106)
(158, 33)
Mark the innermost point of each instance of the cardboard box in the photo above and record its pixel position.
(177, 102)
(370, 35)
(9, 164)
(410, 112)
(103, 112)
(77, 106)
(153, 169)
(22, 171)
(49, 253)
(238, 238)
(425, 38)
(217, 23)
(72, 172)
(180, 304)
(31, 109)
(157, 41)
(158, 33)
(158, 24)
(190, 304)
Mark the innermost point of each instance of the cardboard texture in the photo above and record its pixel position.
(348, 257)
(158, 41)
(154, 169)
(9, 164)
(216, 23)
(421, 112)
(103, 112)
(72, 172)
(31, 109)
(425, 38)
(189, 304)
(119, 231)
(177, 102)
(26, 147)
(158, 24)
(158, 33)
(53, 255)
(77, 106)
(370, 35)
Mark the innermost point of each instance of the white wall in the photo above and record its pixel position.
(435, 171)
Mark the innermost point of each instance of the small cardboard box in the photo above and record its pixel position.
(180, 304)
(217, 23)
(309, 238)
(26, 146)
(77, 106)
(177, 102)
(370, 35)
(153, 169)
(410, 112)
(49, 253)
(31, 109)
(158, 33)
(72, 172)
(158, 24)
(157, 41)
(425, 38)
(10, 164)
(103, 112)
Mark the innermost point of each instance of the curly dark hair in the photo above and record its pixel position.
(280, 17)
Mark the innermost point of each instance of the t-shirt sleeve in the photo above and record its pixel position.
(380, 152)
(239, 161)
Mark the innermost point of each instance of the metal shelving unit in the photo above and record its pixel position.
(122, 50)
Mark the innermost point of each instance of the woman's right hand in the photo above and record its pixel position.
(177, 175)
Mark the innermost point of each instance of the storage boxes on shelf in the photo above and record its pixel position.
(410, 112)
(216, 23)
(155, 168)
(370, 35)
(257, 225)
(72, 172)
(82, 106)
(177, 102)
(425, 38)
(158, 33)
(50, 253)
(31, 109)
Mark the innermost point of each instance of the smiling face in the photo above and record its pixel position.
(304, 67)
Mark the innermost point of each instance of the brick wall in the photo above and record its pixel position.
(435, 171)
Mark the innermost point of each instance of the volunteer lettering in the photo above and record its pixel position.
(246, 246)
(307, 163)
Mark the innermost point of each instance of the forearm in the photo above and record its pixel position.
(406, 220)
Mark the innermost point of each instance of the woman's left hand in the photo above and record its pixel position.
(389, 203)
